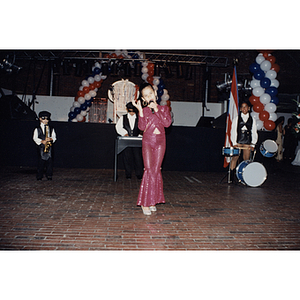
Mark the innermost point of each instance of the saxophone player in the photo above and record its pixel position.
(44, 136)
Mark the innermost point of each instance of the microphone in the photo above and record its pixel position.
(150, 107)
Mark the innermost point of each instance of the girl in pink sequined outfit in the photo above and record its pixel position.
(152, 121)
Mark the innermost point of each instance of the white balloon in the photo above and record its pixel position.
(76, 104)
(260, 58)
(87, 96)
(270, 107)
(156, 81)
(97, 77)
(103, 77)
(144, 64)
(155, 87)
(259, 124)
(145, 76)
(74, 120)
(144, 70)
(163, 102)
(165, 97)
(83, 113)
(97, 65)
(265, 98)
(72, 109)
(79, 117)
(255, 115)
(165, 91)
(265, 65)
(258, 91)
(92, 93)
(273, 117)
(85, 83)
(254, 83)
(271, 74)
(275, 83)
(81, 88)
(81, 100)
(91, 79)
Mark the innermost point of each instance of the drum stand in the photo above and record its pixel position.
(228, 173)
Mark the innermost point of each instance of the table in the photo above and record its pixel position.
(121, 143)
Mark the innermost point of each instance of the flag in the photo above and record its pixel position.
(233, 110)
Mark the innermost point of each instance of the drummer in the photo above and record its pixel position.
(243, 134)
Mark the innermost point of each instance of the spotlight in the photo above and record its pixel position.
(8, 67)
(127, 69)
(179, 71)
(137, 69)
(168, 71)
(156, 70)
(79, 69)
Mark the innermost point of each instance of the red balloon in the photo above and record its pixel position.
(120, 56)
(265, 53)
(253, 99)
(92, 86)
(80, 93)
(258, 107)
(264, 115)
(150, 66)
(107, 56)
(271, 59)
(150, 79)
(269, 125)
(275, 67)
(86, 89)
(113, 55)
(97, 84)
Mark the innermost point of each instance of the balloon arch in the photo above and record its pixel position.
(264, 90)
(89, 86)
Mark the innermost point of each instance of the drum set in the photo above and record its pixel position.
(249, 172)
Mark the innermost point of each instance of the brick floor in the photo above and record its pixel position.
(84, 209)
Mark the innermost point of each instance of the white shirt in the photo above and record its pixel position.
(119, 126)
(39, 141)
(233, 132)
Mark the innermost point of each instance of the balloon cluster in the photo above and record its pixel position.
(157, 83)
(264, 90)
(89, 86)
(85, 95)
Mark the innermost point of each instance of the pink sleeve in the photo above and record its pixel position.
(165, 115)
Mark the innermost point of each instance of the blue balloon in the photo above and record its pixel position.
(265, 82)
(259, 74)
(97, 71)
(275, 100)
(272, 91)
(160, 92)
(254, 67)
(72, 115)
(89, 103)
(83, 106)
(77, 110)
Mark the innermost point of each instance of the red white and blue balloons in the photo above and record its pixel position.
(264, 85)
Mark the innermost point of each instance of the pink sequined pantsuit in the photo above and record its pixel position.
(153, 148)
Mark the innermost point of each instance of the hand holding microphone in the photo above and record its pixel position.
(153, 106)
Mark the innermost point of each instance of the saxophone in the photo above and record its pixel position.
(48, 144)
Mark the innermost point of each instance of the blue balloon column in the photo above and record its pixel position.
(264, 90)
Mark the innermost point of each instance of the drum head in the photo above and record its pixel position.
(270, 146)
(254, 174)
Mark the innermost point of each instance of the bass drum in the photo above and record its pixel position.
(251, 173)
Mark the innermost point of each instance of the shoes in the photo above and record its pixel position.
(146, 212)
(153, 208)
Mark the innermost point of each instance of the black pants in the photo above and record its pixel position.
(46, 165)
(133, 160)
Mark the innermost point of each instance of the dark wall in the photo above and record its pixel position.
(90, 145)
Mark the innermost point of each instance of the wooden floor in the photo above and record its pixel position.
(84, 209)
